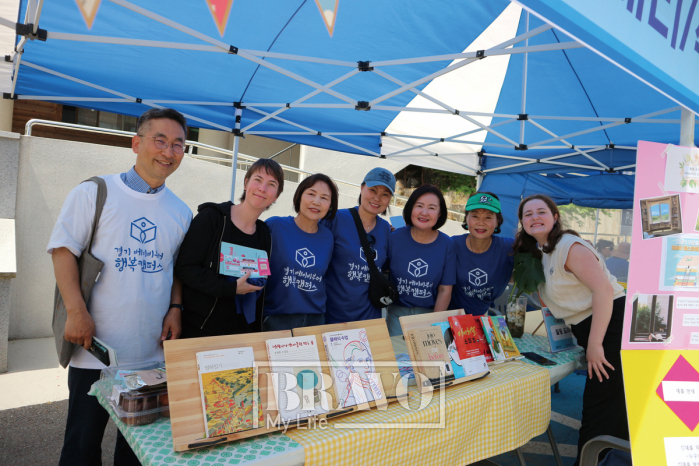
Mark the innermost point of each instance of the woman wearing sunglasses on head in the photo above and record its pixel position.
(421, 258)
(484, 262)
(347, 280)
(580, 290)
(295, 296)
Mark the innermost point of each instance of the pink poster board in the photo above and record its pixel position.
(662, 305)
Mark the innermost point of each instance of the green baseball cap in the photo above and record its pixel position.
(483, 201)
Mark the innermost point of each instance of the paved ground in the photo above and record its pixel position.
(20, 445)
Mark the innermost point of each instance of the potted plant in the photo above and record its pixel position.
(528, 273)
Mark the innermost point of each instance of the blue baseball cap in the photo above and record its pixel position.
(380, 176)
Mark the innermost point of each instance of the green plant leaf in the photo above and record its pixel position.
(683, 183)
(692, 183)
(528, 273)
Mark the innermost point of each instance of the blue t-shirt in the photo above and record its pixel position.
(619, 268)
(418, 269)
(298, 264)
(347, 280)
(481, 278)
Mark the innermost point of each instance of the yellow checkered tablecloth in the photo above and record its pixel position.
(482, 419)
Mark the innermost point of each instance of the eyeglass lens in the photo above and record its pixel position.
(162, 144)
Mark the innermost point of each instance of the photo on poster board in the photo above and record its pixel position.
(679, 263)
(651, 320)
(682, 169)
(661, 216)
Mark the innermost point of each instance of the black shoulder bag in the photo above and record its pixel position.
(381, 290)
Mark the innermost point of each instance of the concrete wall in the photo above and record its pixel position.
(49, 169)
(9, 165)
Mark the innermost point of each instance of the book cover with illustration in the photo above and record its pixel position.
(297, 377)
(508, 343)
(492, 338)
(229, 392)
(352, 367)
(428, 345)
(470, 340)
(236, 261)
(450, 343)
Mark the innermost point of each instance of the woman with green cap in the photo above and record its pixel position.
(484, 262)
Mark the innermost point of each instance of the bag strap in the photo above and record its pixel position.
(362, 238)
(99, 205)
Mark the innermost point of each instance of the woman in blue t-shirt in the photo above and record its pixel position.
(301, 252)
(347, 280)
(483, 262)
(421, 258)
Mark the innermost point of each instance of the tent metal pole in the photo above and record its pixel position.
(306, 97)
(441, 104)
(236, 143)
(456, 56)
(451, 67)
(524, 82)
(594, 242)
(295, 76)
(599, 128)
(451, 139)
(241, 52)
(37, 15)
(687, 128)
(576, 149)
(411, 146)
(317, 132)
(120, 94)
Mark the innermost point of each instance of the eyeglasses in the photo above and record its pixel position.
(162, 144)
(370, 239)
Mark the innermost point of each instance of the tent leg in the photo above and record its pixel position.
(234, 165)
(236, 143)
(687, 128)
(479, 181)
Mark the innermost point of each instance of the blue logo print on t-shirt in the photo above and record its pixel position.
(477, 277)
(305, 258)
(143, 230)
(417, 268)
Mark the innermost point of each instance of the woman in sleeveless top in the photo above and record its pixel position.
(580, 290)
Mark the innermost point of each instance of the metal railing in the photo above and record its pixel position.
(242, 158)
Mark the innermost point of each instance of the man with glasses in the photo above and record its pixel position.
(136, 301)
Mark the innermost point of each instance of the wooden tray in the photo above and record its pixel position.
(381, 350)
(186, 413)
(408, 323)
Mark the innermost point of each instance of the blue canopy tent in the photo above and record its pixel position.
(475, 87)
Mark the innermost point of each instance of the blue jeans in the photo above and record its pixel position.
(394, 312)
(291, 321)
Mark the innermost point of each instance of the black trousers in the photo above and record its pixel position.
(87, 419)
(604, 404)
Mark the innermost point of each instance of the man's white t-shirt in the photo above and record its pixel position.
(137, 238)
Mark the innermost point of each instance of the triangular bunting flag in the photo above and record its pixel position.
(88, 8)
(220, 9)
(328, 10)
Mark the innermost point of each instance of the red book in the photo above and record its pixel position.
(469, 337)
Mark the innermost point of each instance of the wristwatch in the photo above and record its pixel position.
(178, 306)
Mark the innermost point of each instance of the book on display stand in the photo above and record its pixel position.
(474, 367)
(360, 362)
(226, 388)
